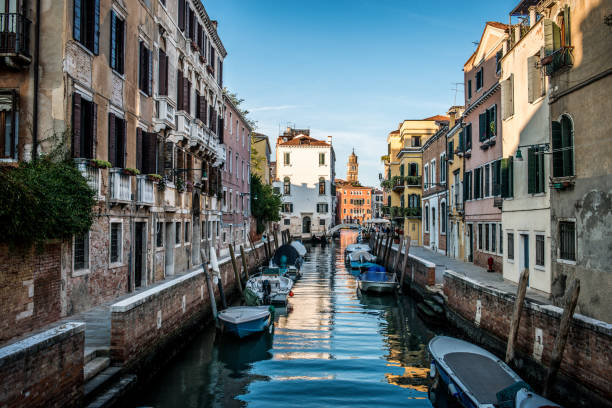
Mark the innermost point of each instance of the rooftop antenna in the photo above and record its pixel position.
(456, 89)
(476, 43)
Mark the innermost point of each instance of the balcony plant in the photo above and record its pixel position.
(161, 185)
(189, 186)
(180, 185)
(154, 177)
(100, 164)
(413, 180)
(130, 171)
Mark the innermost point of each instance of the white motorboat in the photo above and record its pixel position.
(268, 289)
(243, 321)
(377, 282)
(477, 378)
(358, 258)
(356, 248)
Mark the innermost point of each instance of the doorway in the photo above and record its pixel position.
(169, 250)
(470, 248)
(140, 250)
(306, 225)
(434, 233)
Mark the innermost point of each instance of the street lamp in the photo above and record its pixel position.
(541, 147)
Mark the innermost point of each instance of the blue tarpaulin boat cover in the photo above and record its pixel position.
(375, 276)
(291, 255)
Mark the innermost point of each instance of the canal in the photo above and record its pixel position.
(333, 347)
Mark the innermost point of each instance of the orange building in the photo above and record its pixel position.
(354, 203)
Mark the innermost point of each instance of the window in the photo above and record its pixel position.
(535, 170)
(479, 79)
(507, 177)
(209, 230)
(187, 236)
(443, 218)
(480, 236)
(8, 125)
(426, 168)
(321, 159)
(468, 137)
(201, 106)
(287, 221)
(510, 240)
(426, 227)
(467, 186)
(477, 183)
(177, 233)
(203, 232)
(567, 238)
(230, 160)
(183, 98)
(159, 234)
(487, 246)
(287, 186)
(145, 70)
(486, 180)
(501, 239)
(563, 147)
(287, 158)
(276, 190)
(86, 27)
(451, 150)
(117, 43)
(416, 141)
(487, 123)
(321, 186)
(469, 89)
(496, 176)
(507, 95)
(322, 222)
(115, 242)
(81, 251)
(539, 250)
(162, 80)
(443, 168)
(116, 141)
(493, 237)
(322, 208)
(498, 56)
(287, 207)
(84, 126)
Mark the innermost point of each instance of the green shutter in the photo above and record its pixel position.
(567, 136)
(402, 170)
(461, 138)
(505, 178)
(451, 152)
(566, 24)
(493, 119)
(531, 170)
(511, 177)
(541, 171)
(482, 126)
(557, 156)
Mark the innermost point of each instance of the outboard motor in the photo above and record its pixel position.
(267, 290)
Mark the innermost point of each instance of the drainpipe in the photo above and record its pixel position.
(36, 63)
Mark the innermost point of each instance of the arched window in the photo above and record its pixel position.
(563, 147)
(286, 186)
(321, 186)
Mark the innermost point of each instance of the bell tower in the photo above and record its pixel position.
(352, 171)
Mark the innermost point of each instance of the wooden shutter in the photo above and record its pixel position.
(112, 140)
(78, 10)
(566, 26)
(168, 159)
(465, 186)
(505, 178)
(186, 88)
(163, 76)
(531, 170)
(181, 14)
(96, 28)
(113, 41)
(149, 152)
(202, 112)
(451, 152)
(534, 81)
(149, 72)
(482, 126)
(179, 90)
(541, 171)
(468, 137)
(221, 129)
(93, 142)
(493, 120)
(139, 150)
(76, 125)
(557, 156)
(567, 137)
(141, 58)
(507, 90)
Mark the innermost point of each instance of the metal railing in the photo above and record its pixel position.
(91, 174)
(120, 185)
(145, 190)
(14, 34)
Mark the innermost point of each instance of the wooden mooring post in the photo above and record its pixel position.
(516, 314)
(397, 255)
(254, 251)
(235, 267)
(388, 250)
(244, 262)
(209, 285)
(404, 265)
(571, 300)
(275, 241)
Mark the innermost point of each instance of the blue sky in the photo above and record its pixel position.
(351, 69)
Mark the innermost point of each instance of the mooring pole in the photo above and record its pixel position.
(516, 314)
(209, 285)
(398, 254)
(275, 241)
(404, 264)
(555, 362)
(235, 267)
(244, 262)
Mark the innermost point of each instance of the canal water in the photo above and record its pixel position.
(333, 347)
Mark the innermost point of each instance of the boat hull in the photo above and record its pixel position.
(377, 287)
(249, 328)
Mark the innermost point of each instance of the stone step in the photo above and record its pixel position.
(93, 352)
(94, 367)
(113, 392)
(99, 383)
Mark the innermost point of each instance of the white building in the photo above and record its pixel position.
(305, 174)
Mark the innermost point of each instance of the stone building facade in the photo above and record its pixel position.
(455, 140)
(137, 85)
(483, 148)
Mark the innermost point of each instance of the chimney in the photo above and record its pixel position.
(329, 139)
(532, 16)
(517, 33)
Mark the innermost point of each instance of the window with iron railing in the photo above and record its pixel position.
(567, 239)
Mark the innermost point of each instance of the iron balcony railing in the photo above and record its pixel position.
(14, 34)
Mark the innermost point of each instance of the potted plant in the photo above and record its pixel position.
(161, 185)
(180, 185)
(154, 177)
(130, 171)
(99, 164)
(189, 186)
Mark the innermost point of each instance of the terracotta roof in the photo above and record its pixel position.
(497, 25)
(438, 118)
(493, 24)
(394, 132)
(300, 140)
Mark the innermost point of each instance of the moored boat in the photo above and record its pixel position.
(244, 321)
(268, 289)
(377, 281)
(477, 378)
(359, 259)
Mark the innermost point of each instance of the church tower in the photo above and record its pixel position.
(352, 171)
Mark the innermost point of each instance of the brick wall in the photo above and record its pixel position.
(418, 270)
(149, 320)
(587, 358)
(45, 370)
(30, 285)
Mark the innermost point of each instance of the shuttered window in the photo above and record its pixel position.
(179, 90)
(470, 89)
(563, 147)
(146, 152)
(539, 250)
(86, 24)
(84, 127)
(145, 69)
(115, 242)
(496, 177)
(162, 73)
(181, 14)
(534, 78)
(567, 240)
(487, 178)
(507, 177)
(117, 43)
(8, 125)
(535, 169)
(510, 240)
(116, 141)
(451, 150)
(507, 95)
(479, 79)
(468, 137)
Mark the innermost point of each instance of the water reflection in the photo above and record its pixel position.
(334, 346)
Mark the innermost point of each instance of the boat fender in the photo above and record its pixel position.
(272, 310)
(290, 293)
(452, 390)
(432, 370)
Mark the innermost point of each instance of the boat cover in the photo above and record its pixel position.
(375, 276)
(299, 247)
(362, 256)
(243, 314)
(289, 252)
(483, 376)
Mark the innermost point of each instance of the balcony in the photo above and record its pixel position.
(398, 183)
(414, 212)
(413, 181)
(165, 113)
(91, 174)
(183, 124)
(120, 186)
(146, 195)
(15, 37)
